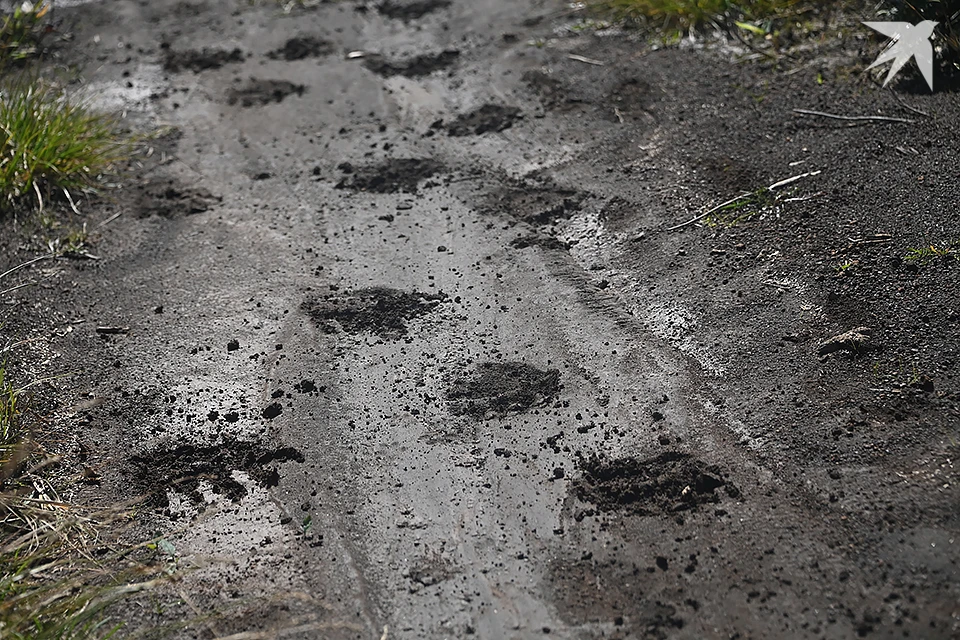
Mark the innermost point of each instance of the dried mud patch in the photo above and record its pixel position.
(500, 388)
(258, 92)
(184, 467)
(485, 119)
(300, 47)
(670, 482)
(378, 310)
(536, 204)
(410, 10)
(415, 67)
(199, 60)
(168, 198)
(621, 601)
(553, 93)
(392, 176)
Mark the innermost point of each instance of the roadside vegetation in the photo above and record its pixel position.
(779, 23)
(61, 565)
(50, 144)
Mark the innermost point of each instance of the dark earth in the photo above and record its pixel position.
(411, 350)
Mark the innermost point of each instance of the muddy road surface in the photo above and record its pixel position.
(412, 353)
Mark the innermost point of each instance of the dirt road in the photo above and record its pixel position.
(412, 353)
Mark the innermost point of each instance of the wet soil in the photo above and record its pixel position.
(527, 402)
(202, 60)
(377, 310)
(501, 388)
(259, 92)
(487, 118)
(300, 47)
(411, 10)
(392, 176)
(668, 483)
(415, 67)
(169, 198)
(184, 467)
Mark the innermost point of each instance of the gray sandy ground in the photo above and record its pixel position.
(411, 354)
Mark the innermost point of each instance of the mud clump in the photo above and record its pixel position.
(488, 118)
(262, 92)
(500, 388)
(538, 240)
(669, 483)
(300, 47)
(202, 60)
(552, 92)
(538, 205)
(421, 65)
(392, 176)
(410, 10)
(378, 310)
(183, 468)
(170, 199)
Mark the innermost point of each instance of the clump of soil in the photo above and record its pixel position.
(421, 65)
(552, 92)
(183, 468)
(489, 117)
(501, 388)
(261, 92)
(300, 47)
(392, 176)
(379, 310)
(168, 198)
(197, 61)
(539, 205)
(538, 240)
(410, 10)
(671, 482)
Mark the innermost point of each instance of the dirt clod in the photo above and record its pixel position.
(670, 482)
(199, 60)
(415, 67)
(852, 341)
(379, 310)
(400, 174)
(168, 198)
(182, 468)
(484, 119)
(259, 92)
(410, 10)
(501, 388)
(300, 47)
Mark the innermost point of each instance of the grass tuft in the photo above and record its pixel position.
(22, 30)
(50, 145)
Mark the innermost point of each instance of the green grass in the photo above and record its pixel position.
(22, 30)
(928, 253)
(742, 209)
(51, 146)
(683, 15)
